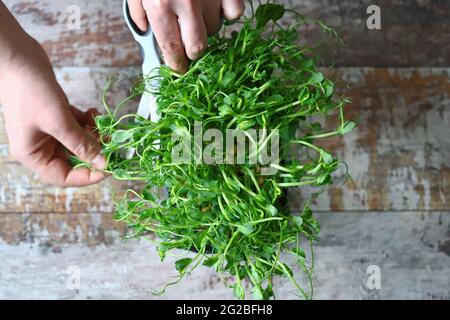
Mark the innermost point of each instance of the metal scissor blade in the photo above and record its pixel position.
(148, 107)
(150, 69)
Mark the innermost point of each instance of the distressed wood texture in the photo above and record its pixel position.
(411, 250)
(414, 32)
(398, 156)
(52, 230)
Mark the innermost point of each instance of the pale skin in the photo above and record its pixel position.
(40, 122)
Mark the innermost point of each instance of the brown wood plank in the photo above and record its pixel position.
(414, 32)
(411, 250)
(101, 40)
(56, 229)
(398, 156)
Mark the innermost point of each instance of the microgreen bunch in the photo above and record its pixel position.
(230, 217)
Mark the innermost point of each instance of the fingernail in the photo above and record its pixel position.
(99, 162)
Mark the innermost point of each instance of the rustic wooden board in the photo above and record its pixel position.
(414, 32)
(398, 156)
(52, 230)
(411, 249)
(411, 31)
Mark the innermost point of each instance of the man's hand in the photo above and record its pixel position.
(182, 27)
(39, 120)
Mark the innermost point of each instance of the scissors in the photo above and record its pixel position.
(151, 62)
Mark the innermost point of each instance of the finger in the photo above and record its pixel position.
(193, 31)
(65, 128)
(233, 9)
(51, 164)
(138, 14)
(86, 118)
(211, 16)
(167, 32)
(58, 171)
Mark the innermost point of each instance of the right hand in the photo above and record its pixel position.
(182, 27)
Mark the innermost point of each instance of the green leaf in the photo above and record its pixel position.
(316, 78)
(324, 179)
(246, 229)
(316, 126)
(348, 126)
(299, 253)
(225, 110)
(297, 220)
(227, 79)
(328, 88)
(267, 252)
(148, 194)
(231, 99)
(326, 157)
(211, 261)
(288, 270)
(272, 210)
(268, 12)
(276, 98)
(120, 136)
(246, 124)
(182, 264)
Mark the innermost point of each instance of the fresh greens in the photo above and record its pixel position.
(230, 217)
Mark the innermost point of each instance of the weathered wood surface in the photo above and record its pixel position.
(411, 249)
(53, 230)
(414, 32)
(398, 156)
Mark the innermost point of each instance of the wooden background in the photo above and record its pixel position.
(399, 157)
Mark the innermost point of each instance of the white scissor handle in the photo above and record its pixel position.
(146, 41)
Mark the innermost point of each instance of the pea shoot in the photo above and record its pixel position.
(231, 217)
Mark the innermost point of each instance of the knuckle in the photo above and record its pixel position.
(197, 47)
(171, 46)
(160, 4)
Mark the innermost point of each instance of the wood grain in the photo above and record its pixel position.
(398, 156)
(52, 230)
(414, 32)
(410, 248)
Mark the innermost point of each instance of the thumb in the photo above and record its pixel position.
(71, 135)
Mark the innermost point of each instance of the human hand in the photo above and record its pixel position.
(181, 27)
(41, 124)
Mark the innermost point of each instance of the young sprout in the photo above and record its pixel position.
(231, 217)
